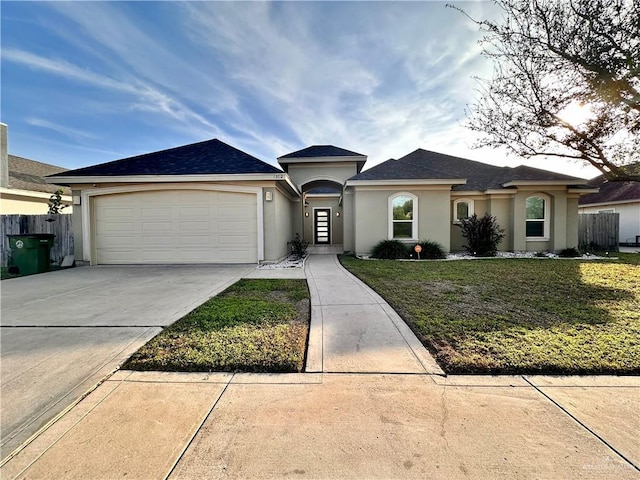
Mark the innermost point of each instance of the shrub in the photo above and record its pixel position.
(431, 250)
(483, 235)
(298, 246)
(390, 249)
(569, 253)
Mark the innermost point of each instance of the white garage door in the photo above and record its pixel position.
(176, 226)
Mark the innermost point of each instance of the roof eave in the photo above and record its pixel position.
(408, 181)
(534, 183)
(333, 159)
(584, 191)
(66, 180)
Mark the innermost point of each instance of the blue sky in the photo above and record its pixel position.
(89, 82)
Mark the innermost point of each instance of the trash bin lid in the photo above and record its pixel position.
(42, 236)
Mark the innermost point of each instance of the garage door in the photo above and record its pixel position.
(176, 226)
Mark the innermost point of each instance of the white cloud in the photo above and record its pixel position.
(144, 97)
(68, 131)
(380, 78)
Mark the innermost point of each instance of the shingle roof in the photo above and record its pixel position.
(396, 170)
(322, 151)
(26, 174)
(208, 157)
(611, 191)
(480, 176)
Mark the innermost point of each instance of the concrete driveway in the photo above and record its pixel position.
(63, 332)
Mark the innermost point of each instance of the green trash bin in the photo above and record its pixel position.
(30, 253)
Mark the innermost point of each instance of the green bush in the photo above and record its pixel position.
(431, 250)
(569, 253)
(390, 249)
(483, 235)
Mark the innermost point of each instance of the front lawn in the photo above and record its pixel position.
(517, 315)
(253, 326)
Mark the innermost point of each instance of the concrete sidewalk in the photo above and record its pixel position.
(406, 422)
(145, 425)
(353, 330)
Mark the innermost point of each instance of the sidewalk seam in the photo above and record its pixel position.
(206, 417)
(57, 418)
(583, 425)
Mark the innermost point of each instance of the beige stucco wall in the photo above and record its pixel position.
(372, 215)
(501, 207)
(77, 229)
(348, 199)
(12, 204)
(336, 227)
(307, 172)
(278, 225)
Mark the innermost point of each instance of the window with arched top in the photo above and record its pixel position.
(403, 216)
(537, 217)
(462, 208)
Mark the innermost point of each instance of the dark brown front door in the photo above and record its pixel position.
(322, 225)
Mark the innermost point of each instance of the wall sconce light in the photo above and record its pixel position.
(268, 196)
(306, 214)
(337, 214)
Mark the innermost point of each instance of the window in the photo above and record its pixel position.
(537, 218)
(403, 208)
(462, 209)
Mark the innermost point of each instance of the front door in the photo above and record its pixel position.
(322, 226)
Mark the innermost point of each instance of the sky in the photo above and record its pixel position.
(89, 82)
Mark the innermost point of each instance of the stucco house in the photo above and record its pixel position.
(211, 203)
(616, 197)
(23, 188)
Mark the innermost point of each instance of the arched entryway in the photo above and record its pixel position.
(322, 213)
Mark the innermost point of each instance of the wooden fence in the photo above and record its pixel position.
(62, 228)
(598, 231)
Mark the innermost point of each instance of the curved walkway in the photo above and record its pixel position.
(353, 330)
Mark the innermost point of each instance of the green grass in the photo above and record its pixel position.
(518, 315)
(253, 326)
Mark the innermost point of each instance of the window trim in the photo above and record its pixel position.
(414, 219)
(546, 220)
(470, 205)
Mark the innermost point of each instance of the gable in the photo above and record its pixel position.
(210, 157)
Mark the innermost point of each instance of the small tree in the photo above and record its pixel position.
(483, 235)
(55, 203)
(298, 246)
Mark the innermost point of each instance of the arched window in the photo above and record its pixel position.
(403, 216)
(462, 208)
(537, 217)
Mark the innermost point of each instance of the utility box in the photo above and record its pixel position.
(30, 253)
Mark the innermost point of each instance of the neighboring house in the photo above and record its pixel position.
(23, 189)
(211, 203)
(616, 197)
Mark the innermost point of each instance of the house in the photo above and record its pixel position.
(23, 188)
(211, 203)
(616, 197)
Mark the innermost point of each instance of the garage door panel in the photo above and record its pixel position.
(188, 228)
(176, 227)
(236, 226)
(234, 240)
(237, 211)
